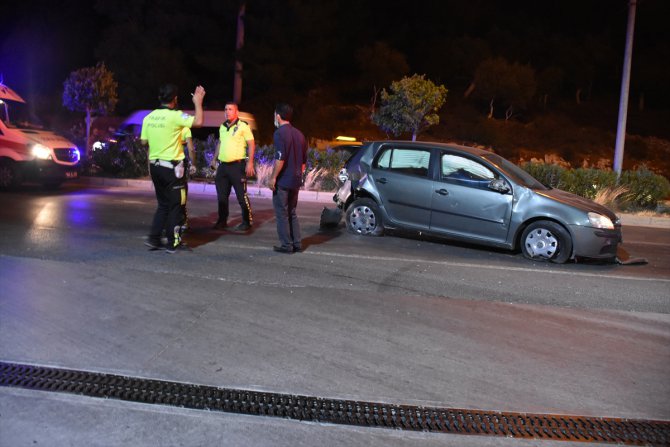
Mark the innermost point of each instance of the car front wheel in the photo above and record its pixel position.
(9, 176)
(546, 241)
(363, 217)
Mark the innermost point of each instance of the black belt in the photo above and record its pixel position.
(231, 162)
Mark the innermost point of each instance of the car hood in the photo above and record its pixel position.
(577, 202)
(47, 138)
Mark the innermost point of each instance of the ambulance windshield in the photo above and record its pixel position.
(18, 115)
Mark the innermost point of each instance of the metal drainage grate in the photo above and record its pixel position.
(335, 411)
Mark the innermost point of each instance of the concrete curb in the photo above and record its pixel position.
(199, 187)
(254, 191)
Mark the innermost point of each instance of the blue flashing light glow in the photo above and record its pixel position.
(79, 212)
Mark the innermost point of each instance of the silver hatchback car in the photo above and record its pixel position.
(471, 195)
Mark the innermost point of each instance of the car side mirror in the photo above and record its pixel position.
(499, 185)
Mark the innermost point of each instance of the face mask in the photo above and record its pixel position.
(276, 122)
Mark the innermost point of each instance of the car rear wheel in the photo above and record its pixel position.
(363, 217)
(546, 241)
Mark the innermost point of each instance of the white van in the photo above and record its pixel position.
(28, 151)
(132, 126)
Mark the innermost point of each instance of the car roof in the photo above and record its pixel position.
(430, 144)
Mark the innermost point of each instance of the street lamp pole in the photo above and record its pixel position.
(625, 90)
(237, 80)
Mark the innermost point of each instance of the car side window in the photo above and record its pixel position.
(464, 171)
(384, 160)
(405, 161)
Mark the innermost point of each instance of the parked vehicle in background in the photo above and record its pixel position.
(28, 151)
(471, 195)
(132, 126)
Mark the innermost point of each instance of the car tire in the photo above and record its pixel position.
(9, 175)
(363, 217)
(546, 241)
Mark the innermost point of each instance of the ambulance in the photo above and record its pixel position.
(28, 152)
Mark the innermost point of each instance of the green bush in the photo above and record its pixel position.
(125, 159)
(645, 189)
(327, 163)
(587, 182)
(204, 153)
(547, 174)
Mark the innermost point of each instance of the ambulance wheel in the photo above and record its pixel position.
(9, 176)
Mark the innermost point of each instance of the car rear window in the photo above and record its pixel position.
(405, 161)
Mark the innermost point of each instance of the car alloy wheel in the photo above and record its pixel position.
(363, 218)
(545, 240)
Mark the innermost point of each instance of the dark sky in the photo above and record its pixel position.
(299, 47)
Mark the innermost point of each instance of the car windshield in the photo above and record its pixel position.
(18, 115)
(517, 174)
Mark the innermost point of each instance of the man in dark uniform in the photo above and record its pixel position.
(235, 155)
(286, 180)
(162, 131)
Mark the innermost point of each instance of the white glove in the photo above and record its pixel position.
(192, 170)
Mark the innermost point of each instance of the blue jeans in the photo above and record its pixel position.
(285, 202)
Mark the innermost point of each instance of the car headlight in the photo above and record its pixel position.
(600, 221)
(41, 151)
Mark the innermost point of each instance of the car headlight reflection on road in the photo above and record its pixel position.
(40, 151)
(600, 221)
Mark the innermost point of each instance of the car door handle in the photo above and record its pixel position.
(442, 192)
(382, 180)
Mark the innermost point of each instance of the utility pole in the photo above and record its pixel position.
(237, 80)
(625, 87)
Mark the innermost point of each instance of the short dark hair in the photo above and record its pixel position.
(284, 111)
(167, 93)
(232, 103)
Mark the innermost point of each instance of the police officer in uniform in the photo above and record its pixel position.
(235, 155)
(162, 131)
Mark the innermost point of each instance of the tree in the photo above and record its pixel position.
(91, 90)
(411, 106)
(513, 85)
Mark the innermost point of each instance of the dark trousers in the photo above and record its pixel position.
(285, 202)
(169, 194)
(232, 175)
(184, 212)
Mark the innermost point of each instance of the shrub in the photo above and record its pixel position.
(322, 167)
(587, 182)
(646, 188)
(204, 153)
(612, 197)
(125, 159)
(547, 174)
(635, 189)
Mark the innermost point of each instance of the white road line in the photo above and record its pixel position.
(462, 264)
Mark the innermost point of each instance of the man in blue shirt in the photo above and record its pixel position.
(286, 180)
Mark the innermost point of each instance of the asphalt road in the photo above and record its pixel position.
(398, 318)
